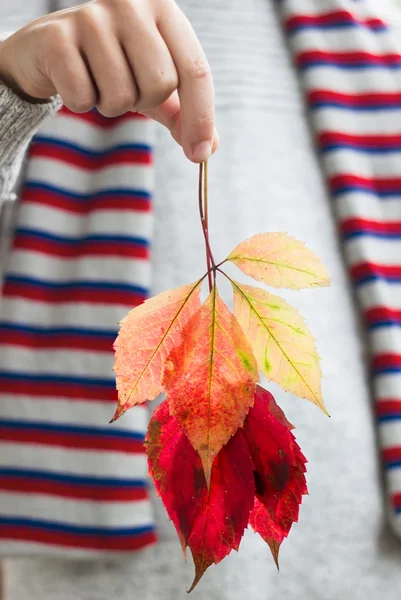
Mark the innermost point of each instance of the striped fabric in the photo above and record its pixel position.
(350, 67)
(69, 482)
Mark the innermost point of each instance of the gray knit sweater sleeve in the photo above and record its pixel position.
(19, 120)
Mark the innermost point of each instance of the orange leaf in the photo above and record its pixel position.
(284, 347)
(147, 337)
(210, 397)
(280, 261)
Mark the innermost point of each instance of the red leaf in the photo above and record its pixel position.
(212, 383)
(279, 471)
(176, 469)
(220, 523)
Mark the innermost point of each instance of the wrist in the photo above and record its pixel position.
(8, 77)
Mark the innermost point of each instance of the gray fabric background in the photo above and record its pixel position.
(264, 177)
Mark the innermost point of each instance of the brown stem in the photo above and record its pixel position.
(203, 211)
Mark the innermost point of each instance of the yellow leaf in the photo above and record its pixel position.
(210, 395)
(148, 335)
(280, 261)
(283, 346)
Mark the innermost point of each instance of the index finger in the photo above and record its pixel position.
(196, 91)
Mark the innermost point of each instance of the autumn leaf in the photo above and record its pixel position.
(210, 397)
(270, 442)
(220, 523)
(283, 346)
(176, 470)
(280, 261)
(147, 337)
(279, 471)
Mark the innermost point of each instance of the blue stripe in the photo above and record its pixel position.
(397, 511)
(90, 152)
(361, 66)
(110, 431)
(361, 149)
(75, 529)
(58, 330)
(359, 188)
(389, 418)
(95, 238)
(386, 370)
(128, 192)
(374, 234)
(372, 277)
(74, 479)
(334, 26)
(393, 465)
(373, 108)
(379, 324)
(96, 285)
(50, 378)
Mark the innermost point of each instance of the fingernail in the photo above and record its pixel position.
(201, 151)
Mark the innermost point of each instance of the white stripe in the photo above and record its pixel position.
(383, 251)
(102, 222)
(375, 166)
(394, 480)
(318, 7)
(358, 123)
(70, 129)
(385, 340)
(337, 40)
(80, 314)
(58, 362)
(388, 385)
(379, 293)
(14, 548)
(390, 433)
(365, 206)
(83, 413)
(124, 270)
(81, 181)
(351, 81)
(76, 512)
(72, 461)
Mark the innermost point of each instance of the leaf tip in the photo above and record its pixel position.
(275, 550)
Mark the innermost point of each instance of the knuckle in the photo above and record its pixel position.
(81, 104)
(118, 104)
(154, 95)
(199, 69)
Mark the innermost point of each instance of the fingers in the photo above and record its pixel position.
(195, 89)
(70, 78)
(116, 88)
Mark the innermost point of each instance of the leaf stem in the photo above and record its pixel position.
(204, 216)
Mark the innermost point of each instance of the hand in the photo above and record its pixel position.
(119, 55)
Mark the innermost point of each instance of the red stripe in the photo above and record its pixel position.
(328, 138)
(382, 313)
(74, 440)
(57, 296)
(367, 269)
(347, 58)
(367, 99)
(56, 340)
(95, 118)
(389, 184)
(69, 490)
(383, 361)
(54, 390)
(84, 248)
(396, 500)
(331, 18)
(391, 454)
(352, 225)
(85, 206)
(91, 163)
(388, 407)
(57, 538)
